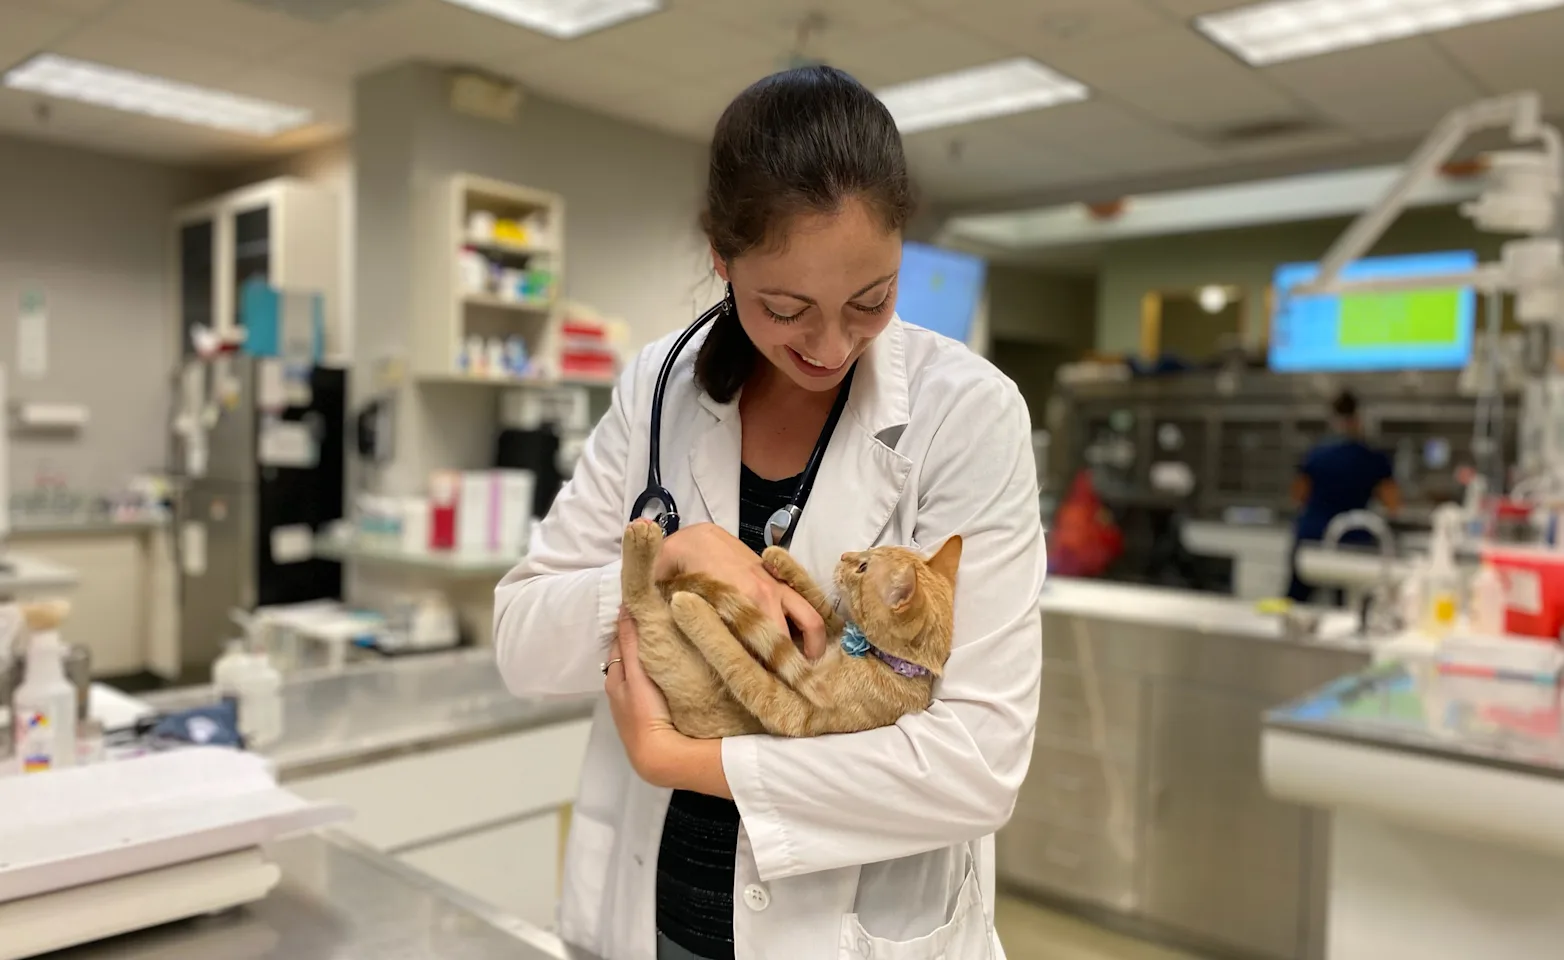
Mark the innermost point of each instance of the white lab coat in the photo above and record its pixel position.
(876, 844)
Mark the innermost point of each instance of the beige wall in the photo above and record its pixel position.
(93, 232)
(1246, 258)
(1038, 321)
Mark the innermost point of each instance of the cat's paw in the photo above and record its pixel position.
(779, 563)
(643, 537)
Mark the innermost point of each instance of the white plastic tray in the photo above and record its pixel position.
(71, 827)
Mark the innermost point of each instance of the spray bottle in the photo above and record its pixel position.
(45, 703)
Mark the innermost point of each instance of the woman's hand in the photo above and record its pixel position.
(707, 549)
(660, 754)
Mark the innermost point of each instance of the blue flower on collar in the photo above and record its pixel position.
(854, 643)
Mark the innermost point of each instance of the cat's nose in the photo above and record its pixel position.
(847, 558)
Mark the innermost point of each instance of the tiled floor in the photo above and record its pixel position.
(1031, 932)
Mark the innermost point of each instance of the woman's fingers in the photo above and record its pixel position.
(806, 619)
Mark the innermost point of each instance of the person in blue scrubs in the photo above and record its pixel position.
(1343, 473)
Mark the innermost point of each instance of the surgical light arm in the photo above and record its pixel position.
(1521, 112)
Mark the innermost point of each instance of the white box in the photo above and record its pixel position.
(475, 512)
(513, 523)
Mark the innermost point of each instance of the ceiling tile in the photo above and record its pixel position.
(411, 30)
(122, 47)
(1521, 53)
(26, 30)
(778, 22)
(916, 49)
(1383, 92)
(1043, 28)
(681, 44)
(1193, 8)
(217, 26)
(1111, 136)
(1306, 143)
(981, 160)
(330, 101)
(1179, 77)
(71, 8)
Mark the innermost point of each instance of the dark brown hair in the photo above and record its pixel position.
(800, 141)
(1345, 405)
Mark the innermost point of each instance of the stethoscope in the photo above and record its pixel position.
(783, 523)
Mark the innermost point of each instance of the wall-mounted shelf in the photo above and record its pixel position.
(543, 307)
(501, 249)
(475, 380)
(449, 309)
(449, 563)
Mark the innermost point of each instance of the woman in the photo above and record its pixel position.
(1341, 474)
(761, 847)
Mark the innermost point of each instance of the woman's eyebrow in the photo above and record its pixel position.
(774, 292)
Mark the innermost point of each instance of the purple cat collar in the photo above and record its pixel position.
(906, 668)
(855, 644)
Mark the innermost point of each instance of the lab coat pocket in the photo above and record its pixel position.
(589, 863)
(964, 937)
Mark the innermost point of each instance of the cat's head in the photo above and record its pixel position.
(904, 602)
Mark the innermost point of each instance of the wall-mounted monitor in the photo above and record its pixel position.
(1416, 330)
(941, 290)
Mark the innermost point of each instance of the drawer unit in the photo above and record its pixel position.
(1064, 861)
(1080, 788)
(1078, 709)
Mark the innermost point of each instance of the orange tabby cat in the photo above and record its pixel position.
(727, 670)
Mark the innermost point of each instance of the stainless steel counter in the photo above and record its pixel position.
(339, 900)
(375, 710)
(1144, 806)
(1411, 707)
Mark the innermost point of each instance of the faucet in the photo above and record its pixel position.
(1358, 598)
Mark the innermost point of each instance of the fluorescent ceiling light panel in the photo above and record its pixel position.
(133, 92)
(563, 19)
(1266, 33)
(979, 93)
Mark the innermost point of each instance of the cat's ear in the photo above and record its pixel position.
(897, 585)
(947, 558)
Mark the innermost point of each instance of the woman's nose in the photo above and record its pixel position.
(831, 348)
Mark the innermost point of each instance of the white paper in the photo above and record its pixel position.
(292, 544)
(287, 443)
(271, 388)
(192, 548)
(32, 335)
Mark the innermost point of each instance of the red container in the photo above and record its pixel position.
(444, 487)
(1533, 589)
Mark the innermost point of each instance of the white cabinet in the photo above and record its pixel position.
(483, 817)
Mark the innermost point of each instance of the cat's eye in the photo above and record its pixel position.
(863, 567)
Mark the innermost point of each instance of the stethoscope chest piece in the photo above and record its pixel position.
(666, 516)
(779, 529)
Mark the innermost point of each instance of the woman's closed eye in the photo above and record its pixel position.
(781, 317)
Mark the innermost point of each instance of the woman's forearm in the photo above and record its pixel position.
(696, 765)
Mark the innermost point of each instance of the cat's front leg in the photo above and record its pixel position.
(781, 565)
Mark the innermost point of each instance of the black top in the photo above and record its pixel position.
(701, 835)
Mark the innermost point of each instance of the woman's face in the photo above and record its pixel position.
(814, 303)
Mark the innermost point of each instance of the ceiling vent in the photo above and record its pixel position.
(320, 11)
(1263, 131)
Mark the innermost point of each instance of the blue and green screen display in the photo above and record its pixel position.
(939, 289)
(1416, 330)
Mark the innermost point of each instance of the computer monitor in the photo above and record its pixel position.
(941, 290)
(1415, 330)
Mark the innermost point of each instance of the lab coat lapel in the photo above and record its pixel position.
(714, 463)
(862, 477)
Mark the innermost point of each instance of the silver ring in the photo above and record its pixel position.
(604, 666)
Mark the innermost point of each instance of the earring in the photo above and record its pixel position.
(729, 308)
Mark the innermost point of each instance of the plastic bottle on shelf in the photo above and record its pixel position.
(45, 708)
(1488, 601)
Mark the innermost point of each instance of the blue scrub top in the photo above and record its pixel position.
(1343, 475)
